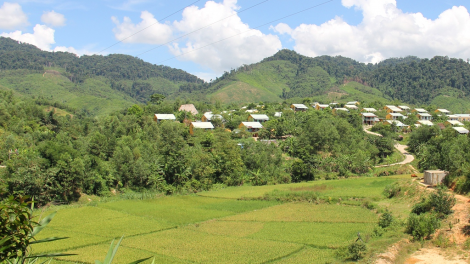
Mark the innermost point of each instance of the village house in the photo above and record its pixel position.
(351, 106)
(369, 110)
(442, 112)
(396, 122)
(252, 127)
(454, 123)
(404, 108)
(394, 116)
(200, 125)
(207, 117)
(424, 116)
(452, 118)
(419, 110)
(321, 106)
(392, 109)
(189, 108)
(160, 117)
(463, 117)
(425, 123)
(340, 109)
(461, 130)
(299, 107)
(369, 119)
(353, 103)
(258, 118)
(251, 111)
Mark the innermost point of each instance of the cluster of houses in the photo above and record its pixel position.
(253, 125)
(394, 114)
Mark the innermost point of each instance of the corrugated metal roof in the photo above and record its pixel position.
(165, 116)
(421, 110)
(404, 107)
(352, 103)
(394, 108)
(396, 122)
(252, 124)
(443, 110)
(426, 122)
(202, 125)
(462, 115)
(211, 116)
(278, 114)
(260, 117)
(455, 123)
(425, 114)
(461, 130)
(351, 106)
(370, 109)
(342, 109)
(368, 115)
(301, 106)
(396, 114)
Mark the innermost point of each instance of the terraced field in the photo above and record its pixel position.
(219, 227)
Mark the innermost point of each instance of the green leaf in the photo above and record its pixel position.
(49, 239)
(43, 223)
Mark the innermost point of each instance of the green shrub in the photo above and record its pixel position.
(357, 250)
(378, 231)
(385, 219)
(422, 226)
(466, 244)
(392, 190)
(423, 207)
(442, 202)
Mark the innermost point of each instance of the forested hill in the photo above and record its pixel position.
(96, 84)
(14, 55)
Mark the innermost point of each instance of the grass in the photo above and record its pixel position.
(396, 157)
(219, 227)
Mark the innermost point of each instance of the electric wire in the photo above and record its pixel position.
(149, 26)
(210, 44)
(180, 37)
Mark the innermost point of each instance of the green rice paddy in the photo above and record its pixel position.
(220, 226)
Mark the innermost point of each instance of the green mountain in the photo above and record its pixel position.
(95, 84)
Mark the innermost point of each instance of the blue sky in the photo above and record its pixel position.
(365, 30)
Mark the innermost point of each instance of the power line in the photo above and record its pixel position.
(293, 14)
(180, 37)
(149, 26)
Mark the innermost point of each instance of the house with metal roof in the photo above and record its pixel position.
(353, 107)
(461, 130)
(299, 107)
(424, 116)
(353, 103)
(394, 116)
(454, 123)
(321, 106)
(392, 109)
(200, 125)
(340, 109)
(404, 107)
(160, 117)
(396, 122)
(369, 110)
(252, 127)
(443, 111)
(207, 117)
(463, 117)
(258, 118)
(419, 110)
(425, 123)
(369, 119)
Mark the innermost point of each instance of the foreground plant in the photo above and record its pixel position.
(112, 253)
(18, 231)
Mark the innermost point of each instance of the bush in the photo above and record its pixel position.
(357, 250)
(378, 231)
(439, 202)
(422, 207)
(422, 226)
(392, 190)
(385, 219)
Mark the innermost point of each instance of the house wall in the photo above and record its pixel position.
(434, 178)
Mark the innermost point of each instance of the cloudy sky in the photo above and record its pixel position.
(207, 38)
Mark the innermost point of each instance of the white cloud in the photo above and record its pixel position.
(385, 32)
(12, 16)
(43, 37)
(53, 19)
(245, 48)
(154, 32)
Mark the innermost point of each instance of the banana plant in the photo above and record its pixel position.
(112, 252)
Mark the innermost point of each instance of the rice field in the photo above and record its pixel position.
(218, 226)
